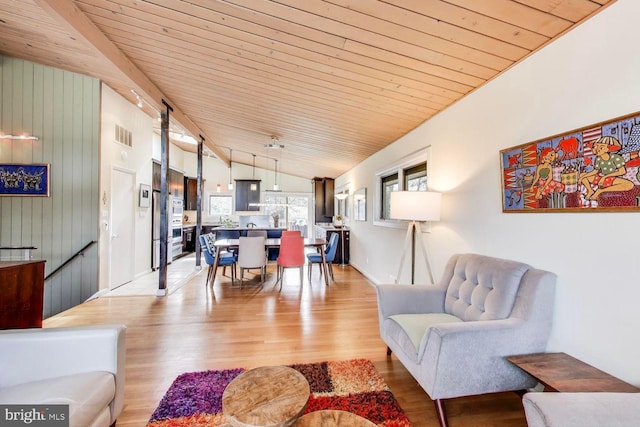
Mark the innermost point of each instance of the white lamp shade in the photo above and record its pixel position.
(415, 205)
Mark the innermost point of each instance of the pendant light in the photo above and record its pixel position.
(230, 186)
(275, 176)
(253, 186)
(275, 145)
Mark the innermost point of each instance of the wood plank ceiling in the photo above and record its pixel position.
(334, 80)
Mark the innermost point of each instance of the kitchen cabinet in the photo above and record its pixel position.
(175, 182)
(343, 242)
(344, 235)
(323, 189)
(190, 194)
(247, 192)
(189, 239)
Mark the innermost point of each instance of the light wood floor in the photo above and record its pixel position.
(200, 327)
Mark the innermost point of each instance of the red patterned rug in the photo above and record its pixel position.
(195, 398)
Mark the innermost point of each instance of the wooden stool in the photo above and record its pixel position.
(270, 396)
(332, 418)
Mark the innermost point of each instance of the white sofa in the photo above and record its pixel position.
(79, 366)
(582, 409)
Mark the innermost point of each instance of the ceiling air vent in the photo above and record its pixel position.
(123, 136)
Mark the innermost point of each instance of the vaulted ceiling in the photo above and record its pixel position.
(334, 80)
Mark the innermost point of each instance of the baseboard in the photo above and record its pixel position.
(367, 276)
(97, 294)
(143, 273)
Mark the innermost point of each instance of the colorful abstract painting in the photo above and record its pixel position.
(596, 168)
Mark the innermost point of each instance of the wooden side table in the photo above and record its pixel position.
(332, 418)
(273, 396)
(561, 372)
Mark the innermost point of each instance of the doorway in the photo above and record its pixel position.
(122, 234)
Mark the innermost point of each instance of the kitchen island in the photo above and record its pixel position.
(222, 231)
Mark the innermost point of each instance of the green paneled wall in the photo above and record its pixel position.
(63, 110)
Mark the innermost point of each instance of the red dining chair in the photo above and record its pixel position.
(291, 255)
(287, 233)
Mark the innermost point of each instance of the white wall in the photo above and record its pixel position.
(117, 110)
(589, 75)
(139, 160)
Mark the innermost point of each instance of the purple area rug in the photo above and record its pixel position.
(195, 398)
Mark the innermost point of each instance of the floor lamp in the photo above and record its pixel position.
(341, 197)
(415, 206)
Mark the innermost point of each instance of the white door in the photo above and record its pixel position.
(122, 231)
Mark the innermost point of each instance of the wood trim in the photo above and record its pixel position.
(68, 13)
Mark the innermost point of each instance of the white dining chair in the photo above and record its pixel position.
(252, 255)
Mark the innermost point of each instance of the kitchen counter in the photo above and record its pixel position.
(221, 227)
(331, 227)
(250, 228)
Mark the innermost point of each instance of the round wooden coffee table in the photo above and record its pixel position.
(270, 396)
(332, 418)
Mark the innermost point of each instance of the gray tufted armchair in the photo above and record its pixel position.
(453, 336)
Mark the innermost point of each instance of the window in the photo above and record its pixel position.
(407, 174)
(220, 205)
(389, 184)
(276, 204)
(415, 178)
(292, 209)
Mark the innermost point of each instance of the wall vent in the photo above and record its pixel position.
(123, 136)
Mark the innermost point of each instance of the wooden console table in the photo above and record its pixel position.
(561, 372)
(21, 294)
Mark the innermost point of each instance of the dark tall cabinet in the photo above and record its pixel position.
(247, 193)
(323, 189)
(175, 181)
(190, 194)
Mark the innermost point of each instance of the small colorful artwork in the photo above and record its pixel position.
(596, 168)
(24, 179)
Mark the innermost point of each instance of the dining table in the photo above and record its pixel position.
(225, 244)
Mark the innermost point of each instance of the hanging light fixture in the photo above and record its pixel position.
(230, 186)
(253, 186)
(275, 176)
(275, 143)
